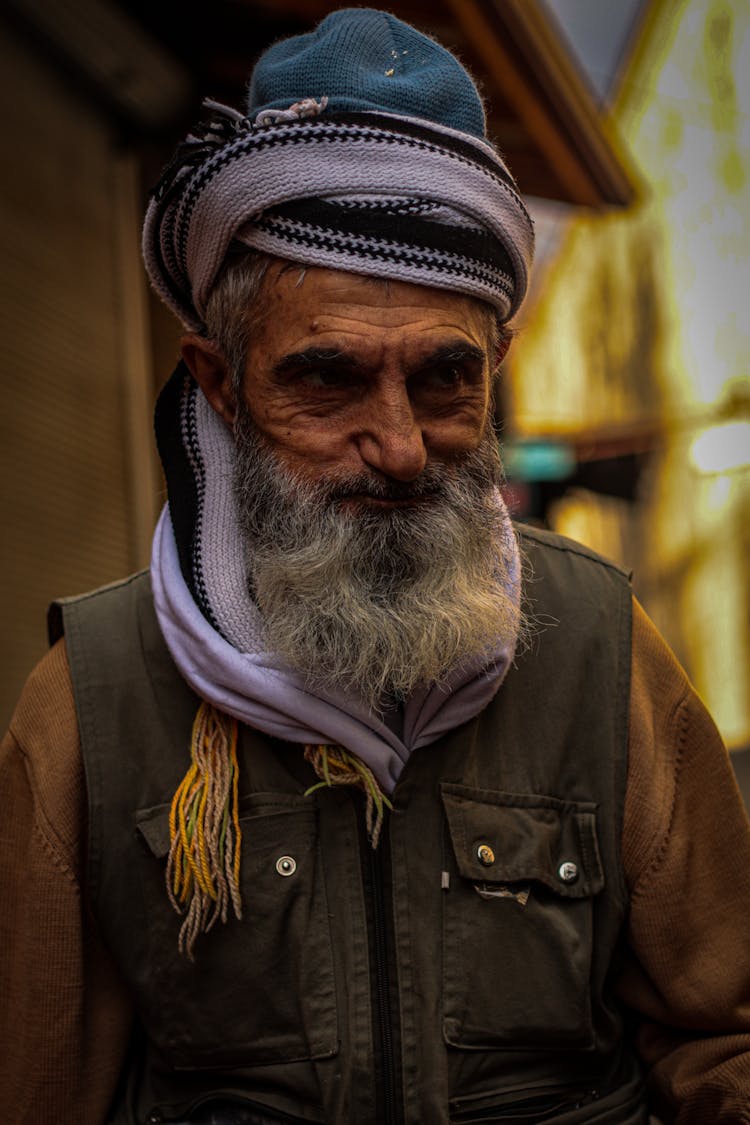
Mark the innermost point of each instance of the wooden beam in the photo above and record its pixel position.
(523, 58)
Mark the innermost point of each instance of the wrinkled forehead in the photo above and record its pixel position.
(312, 306)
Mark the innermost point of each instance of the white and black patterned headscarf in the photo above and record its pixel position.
(364, 150)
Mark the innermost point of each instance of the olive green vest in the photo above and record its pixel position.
(462, 973)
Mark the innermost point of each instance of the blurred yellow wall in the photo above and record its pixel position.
(642, 321)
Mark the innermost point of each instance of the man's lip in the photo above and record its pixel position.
(362, 498)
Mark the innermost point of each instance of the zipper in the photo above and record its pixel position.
(535, 1108)
(381, 982)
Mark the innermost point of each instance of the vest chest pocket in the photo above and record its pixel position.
(260, 990)
(517, 920)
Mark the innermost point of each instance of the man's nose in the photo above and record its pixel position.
(391, 440)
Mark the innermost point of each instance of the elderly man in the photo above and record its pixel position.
(362, 806)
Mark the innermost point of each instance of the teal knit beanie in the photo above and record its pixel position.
(365, 60)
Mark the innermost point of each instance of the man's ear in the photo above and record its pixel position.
(502, 349)
(209, 369)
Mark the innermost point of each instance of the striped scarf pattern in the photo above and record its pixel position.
(372, 193)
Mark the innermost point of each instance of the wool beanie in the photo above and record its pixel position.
(363, 148)
(367, 61)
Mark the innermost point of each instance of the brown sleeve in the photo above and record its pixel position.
(64, 1016)
(686, 852)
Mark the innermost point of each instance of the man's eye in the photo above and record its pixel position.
(446, 376)
(325, 378)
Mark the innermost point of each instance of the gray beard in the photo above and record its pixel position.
(374, 601)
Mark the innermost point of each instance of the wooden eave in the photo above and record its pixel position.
(542, 114)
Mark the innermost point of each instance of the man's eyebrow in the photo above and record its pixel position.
(331, 357)
(454, 352)
(458, 351)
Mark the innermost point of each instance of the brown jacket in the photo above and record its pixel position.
(65, 1017)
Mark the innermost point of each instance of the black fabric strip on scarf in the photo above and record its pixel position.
(306, 236)
(182, 487)
(401, 230)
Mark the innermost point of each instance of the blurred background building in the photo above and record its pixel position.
(632, 376)
(626, 406)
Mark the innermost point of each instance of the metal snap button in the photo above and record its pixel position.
(286, 865)
(568, 871)
(485, 855)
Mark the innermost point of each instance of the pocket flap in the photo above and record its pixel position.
(153, 823)
(519, 838)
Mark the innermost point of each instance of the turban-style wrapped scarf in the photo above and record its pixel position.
(348, 176)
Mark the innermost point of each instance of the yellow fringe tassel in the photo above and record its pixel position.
(336, 766)
(203, 870)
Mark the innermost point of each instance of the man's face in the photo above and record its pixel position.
(366, 486)
(350, 376)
